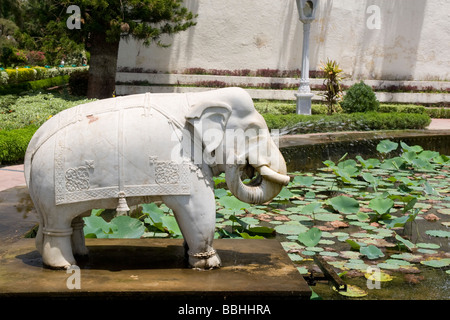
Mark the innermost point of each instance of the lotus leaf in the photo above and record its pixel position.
(436, 263)
(371, 252)
(438, 233)
(381, 205)
(386, 146)
(291, 228)
(428, 245)
(311, 237)
(345, 205)
(379, 276)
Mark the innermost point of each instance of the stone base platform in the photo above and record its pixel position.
(155, 269)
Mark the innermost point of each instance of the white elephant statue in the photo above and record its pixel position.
(141, 148)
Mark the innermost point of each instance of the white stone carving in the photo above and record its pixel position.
(124, 151)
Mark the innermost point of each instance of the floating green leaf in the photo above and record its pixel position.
(293, 228)
(438, 233)
(303, 180)
(352, 291)
(311, 237)
(381, 205)
(311, 208)
(435, 263)
(327, 217)
(372, 252)
(345, 205)
(428, 245)
(232, 203)
(285, 194)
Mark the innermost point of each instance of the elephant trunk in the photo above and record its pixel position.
(262, 189)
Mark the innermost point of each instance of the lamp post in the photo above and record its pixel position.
(307, 14)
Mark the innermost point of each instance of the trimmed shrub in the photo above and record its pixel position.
(404, 108)
(14, 76)
(301, 124)
(34, 85)
(438, 113)
(14, 143)
(360, 98)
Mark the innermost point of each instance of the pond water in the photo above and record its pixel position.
(307, 152)
(417, 270)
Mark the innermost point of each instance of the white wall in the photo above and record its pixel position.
(413, 42)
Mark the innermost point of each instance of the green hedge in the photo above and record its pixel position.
(14, 143)
(439, 113)
(298, 124)
(33, 85)
(15, 76)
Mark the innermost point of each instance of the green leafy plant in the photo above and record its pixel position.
(120, 227)
(332, 83)
(360, 98)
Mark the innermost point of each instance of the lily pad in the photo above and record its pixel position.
(327, 216)
(438, 233)
(379, 276)
(381, 205)
(407, 256)
(329, 253)
(435, 263)
(311, 237)
(295, 257)
(353, 292)
(371, 252)
(427, 251)
(428, 245)
(303, 180)
(444, 211)
(233, 203)
(291, 228)
(389, 266)
(345, 205)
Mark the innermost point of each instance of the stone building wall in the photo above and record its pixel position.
(370, 39)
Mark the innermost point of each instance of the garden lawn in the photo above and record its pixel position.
(22, 115)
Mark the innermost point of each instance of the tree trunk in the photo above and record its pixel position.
(102, 67)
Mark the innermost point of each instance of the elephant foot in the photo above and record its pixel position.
(57, 249)
(204, 260)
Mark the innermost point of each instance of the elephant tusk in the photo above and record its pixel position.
(273, 176)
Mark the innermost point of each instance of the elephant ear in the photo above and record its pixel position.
(209, 120)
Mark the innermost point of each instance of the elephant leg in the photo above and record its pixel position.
(57, 238)
(196, 217)
(78, 242)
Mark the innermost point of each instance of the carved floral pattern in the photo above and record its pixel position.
(167, 173)
(77, 179)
